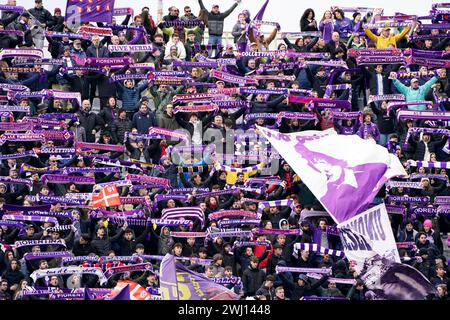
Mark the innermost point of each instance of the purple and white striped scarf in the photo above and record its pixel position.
(275, 203)
(59, 228)
(171, 222)
(314, 247)
(428, 164)
(184, 213)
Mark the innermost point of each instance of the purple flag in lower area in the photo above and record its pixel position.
(90, 11)
(179, 283)
(123, 294)
(343, 172)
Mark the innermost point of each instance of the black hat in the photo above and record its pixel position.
(277, 246)
(423, 251)
(26, 15)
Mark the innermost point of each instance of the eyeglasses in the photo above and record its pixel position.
(187, 11)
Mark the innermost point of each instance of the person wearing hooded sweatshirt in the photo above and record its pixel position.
(165, 241)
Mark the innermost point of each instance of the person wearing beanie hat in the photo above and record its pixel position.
(432, 236)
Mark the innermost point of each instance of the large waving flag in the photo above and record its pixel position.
(344, 172)
(179, 283)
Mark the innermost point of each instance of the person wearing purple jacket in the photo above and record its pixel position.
(326, 25)
(343, 25)
(368, 129)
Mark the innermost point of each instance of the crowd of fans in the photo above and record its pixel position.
(221, 127)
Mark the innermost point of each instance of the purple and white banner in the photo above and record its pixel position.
(343, 172)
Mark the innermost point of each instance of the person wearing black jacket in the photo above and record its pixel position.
(91, 122)
(261, 106)
(252, 277)
(82, 247)
(425, 144)
(78, 83)
(334, 44)
(302, 287)
(129, 241)
(119, 126)
(376, 77)
(44, 18)
(385, 122)
(22, 25)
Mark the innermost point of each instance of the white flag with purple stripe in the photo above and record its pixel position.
(343, 172)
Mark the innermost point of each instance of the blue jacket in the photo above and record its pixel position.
(131, 96)
(142, 122)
